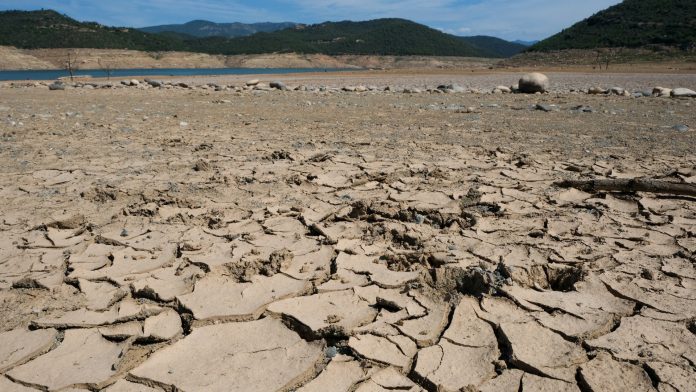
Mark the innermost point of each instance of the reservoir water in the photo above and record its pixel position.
(121, 73)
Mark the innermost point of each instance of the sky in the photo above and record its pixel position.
(507, 19)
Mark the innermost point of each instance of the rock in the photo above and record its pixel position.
(239, 301)
(681, 128)
(153, 83)
(605, 374)
(19, 345)
(451, 88)
(162, 327)
(662, 92)
(279, 86)
(201, 165)
(683, 93)
(56, 86)
(84, 357)
(596, 91)
(617, 91)
(543, 107)
(134, 82)
(252, 82)
(534, 83)
(333, 313)
(503, 89)
(260, 355)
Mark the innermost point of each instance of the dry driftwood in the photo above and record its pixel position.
(631, 185)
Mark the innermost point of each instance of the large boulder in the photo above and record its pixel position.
(534, 83)
(683, 93)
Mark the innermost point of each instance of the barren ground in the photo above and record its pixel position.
(196, 240)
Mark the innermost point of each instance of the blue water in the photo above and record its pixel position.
(120, 73)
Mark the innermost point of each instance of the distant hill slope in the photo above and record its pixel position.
(398, 37)
(381, 36)
(49, 29)
(632, 24)
(204, 28)
(496, 47)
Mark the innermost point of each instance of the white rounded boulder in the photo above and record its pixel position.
(534, 83)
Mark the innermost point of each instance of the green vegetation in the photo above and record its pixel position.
(495, 47)
(631, 24)
(49, 29)
(382, 36)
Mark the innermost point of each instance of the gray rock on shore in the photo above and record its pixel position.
(683, 93)
(56, 86)
(534, 83)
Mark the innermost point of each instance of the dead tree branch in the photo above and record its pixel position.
(631, 185)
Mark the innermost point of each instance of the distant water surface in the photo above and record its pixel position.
(121, 73)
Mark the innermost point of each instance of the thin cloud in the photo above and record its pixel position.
(510, 19)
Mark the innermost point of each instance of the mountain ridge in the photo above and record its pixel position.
(391, 36)
(203, 28)
(631, 24)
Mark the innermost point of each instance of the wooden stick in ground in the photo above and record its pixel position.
(631, 185)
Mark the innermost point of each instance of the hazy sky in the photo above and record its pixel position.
(509, 19)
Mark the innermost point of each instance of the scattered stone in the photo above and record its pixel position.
(202, 165)
(253, 82)
(544, 107)
(153, 83)
(279, 86)
(662, 92)
(596, 91)
(259, 355)
(681, 128)
(56, 86)
(534, 83)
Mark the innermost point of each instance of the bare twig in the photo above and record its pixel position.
(631, 185)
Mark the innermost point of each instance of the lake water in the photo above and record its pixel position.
(121, 73)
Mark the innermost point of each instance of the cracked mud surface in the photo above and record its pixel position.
(192, 240)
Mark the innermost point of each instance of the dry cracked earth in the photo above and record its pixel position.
(192, 240)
